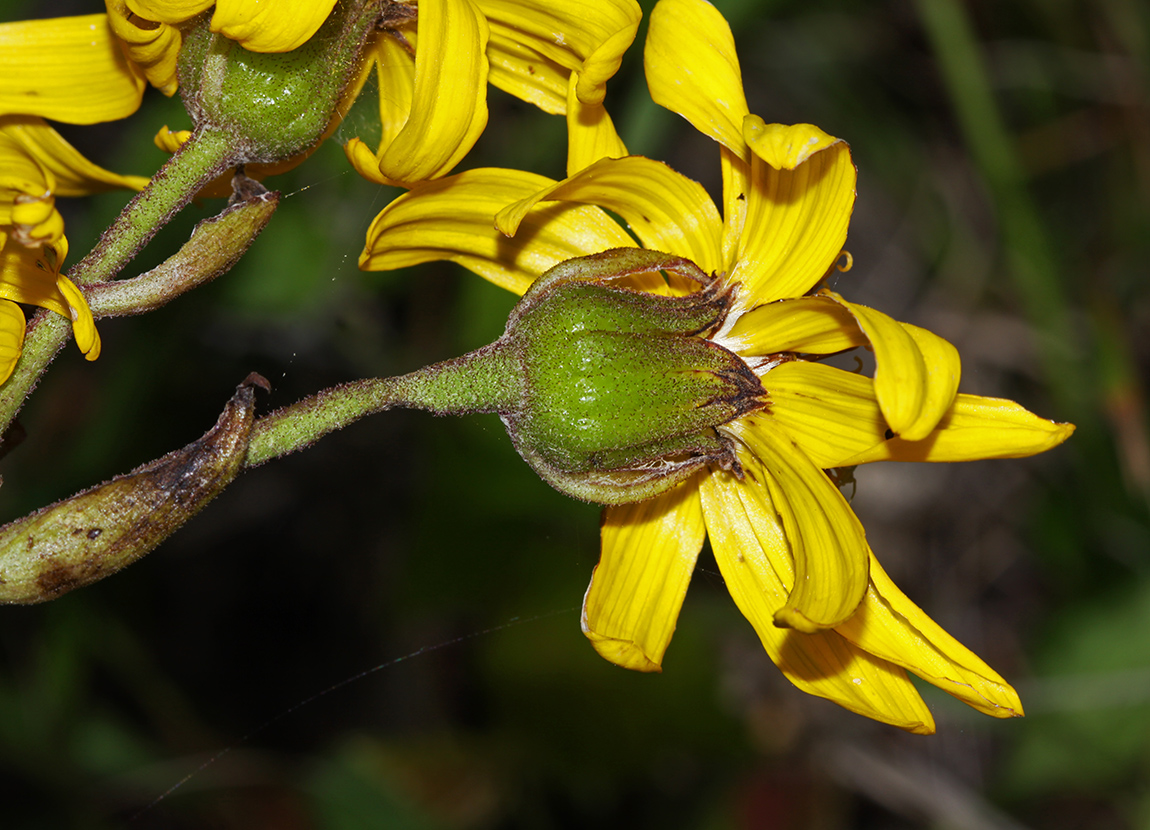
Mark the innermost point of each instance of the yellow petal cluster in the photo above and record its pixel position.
(433, 66)
(36, 165)
(92, 68)
(793, 554)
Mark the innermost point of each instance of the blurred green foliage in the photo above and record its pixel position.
(1004, 155)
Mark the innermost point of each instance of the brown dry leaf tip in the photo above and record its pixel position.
(95, 533)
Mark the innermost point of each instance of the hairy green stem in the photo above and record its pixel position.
(205, 156)
(486, 380)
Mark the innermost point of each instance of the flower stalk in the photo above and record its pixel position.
(482, 381)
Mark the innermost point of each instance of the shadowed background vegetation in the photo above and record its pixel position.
(1004, 183)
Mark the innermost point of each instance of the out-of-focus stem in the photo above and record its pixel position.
(1030, 254)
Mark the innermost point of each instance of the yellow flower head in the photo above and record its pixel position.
(37, 165)
(92, 68)
(794, 556)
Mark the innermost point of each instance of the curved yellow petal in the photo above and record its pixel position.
(602, 64)
(27, 205)
(153, 47)
(170, 140)
(785, 146)
(449, 108)
(68, 69)
(396, 76)
(453, 218)
(588, 37)
(270, 25)
(73, 174)
(804, 325)
(826, 538)
(35, 220)
(796, 225)
(28, 275)
(736, 185)
(665, 210)
(637, 589)
(751, 550)
(590, 132)
(692, 69)
(169, 11)
(521, 71)
(11, 337)
(916, 371)
(973, 428)
(892, 627)
(83, 326)
(831, 415)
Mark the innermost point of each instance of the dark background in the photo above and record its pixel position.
(1003, 188)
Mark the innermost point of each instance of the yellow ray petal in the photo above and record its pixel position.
(169, 11)
(692, 69)
(831, 415)
(34, 219)
(785, 146)
(916, 372)
(604, 62)
(589, 37)
(153, 47)
(524, 73)
(666, 210)
(28, 275)
(974, 428)
(453, 218)
(83, 326)
(270, 25)
(590, 132)
(892, 627)
(396, 77)
(11, 337)
(73, 175)
(796, 225)
(27, 206)
(804, 325)
(736, 185)
(68, 69)
(637, 589)
(826, 538)
(170, 140)
(752, 553)
(449, 108)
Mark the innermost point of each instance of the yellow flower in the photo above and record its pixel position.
(433, 60)
(433, 74)
(36, 165)
(793, 554)
(92, 68)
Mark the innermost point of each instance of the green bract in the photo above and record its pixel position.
(621, 393)
(274, 105)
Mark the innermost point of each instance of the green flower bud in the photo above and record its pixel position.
(274, 105)
(621, 391)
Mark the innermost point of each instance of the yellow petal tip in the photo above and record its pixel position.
(793, 618)
(623, 653)
(785, 146)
